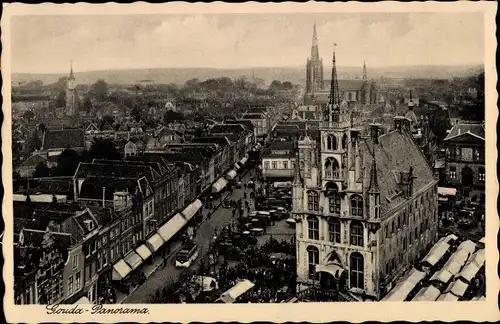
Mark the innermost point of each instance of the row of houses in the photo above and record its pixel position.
(75, 237)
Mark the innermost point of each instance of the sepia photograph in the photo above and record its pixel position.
(185, 157)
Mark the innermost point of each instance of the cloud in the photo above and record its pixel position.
(47, 43)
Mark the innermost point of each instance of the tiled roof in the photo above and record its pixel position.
(220, 140)
(395, 152)
(253, 116)
(63, 139)
(473, 129)
(92, 187)
(51, 185)
(279, 149)
(118, 170)
(228, 128)
(33, 160)
(247, 123)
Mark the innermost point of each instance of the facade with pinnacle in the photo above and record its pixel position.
(357, 91)
(365, 206)
(71, 95)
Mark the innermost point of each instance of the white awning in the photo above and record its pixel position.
(239, 289)
(133, 260)
(120, 270)
(403, 288)
(154, 242)
(192, 209)
(430, 293)
(244, 160)
(447, 297)
(468, 246)
(237, 166)
(436, 253)
(458, 288)
(171, 227)
(469, 271)
(447, 191)
(231, 174)
(219, 185)
(143, 251)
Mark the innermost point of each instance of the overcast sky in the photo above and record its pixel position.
(46, 44)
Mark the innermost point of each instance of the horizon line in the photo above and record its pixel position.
(247, 68)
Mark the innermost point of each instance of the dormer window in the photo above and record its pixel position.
(90, 224)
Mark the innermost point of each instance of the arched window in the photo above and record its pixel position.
(312, 260)
(313, 227)
(344, 141)
(334, 230)
(334, 202)
(331, 168)
(356, 266)
(331, 142)
(356, 233)
(356, 206)
(312, 200)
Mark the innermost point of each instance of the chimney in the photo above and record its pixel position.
(401, 123)
(405, 183)
(375, 132)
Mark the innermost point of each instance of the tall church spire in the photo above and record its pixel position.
(314, 47)
(365, 75)
(334, 86)
(71, 74)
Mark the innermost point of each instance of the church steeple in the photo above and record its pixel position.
(334, 85)
(365, 75)
(314, 47)
(71, 74)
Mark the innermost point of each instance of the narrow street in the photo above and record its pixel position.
(204, 234)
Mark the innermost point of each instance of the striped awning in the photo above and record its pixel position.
(133, 260)
(120, 270)
(154, 242)
(143, 252)
(231, 175)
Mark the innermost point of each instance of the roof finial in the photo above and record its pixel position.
(373, 175)
(334, 86)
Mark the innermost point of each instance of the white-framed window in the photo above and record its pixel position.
(453, 172)
(481, 174)
(313, 227)
(266, 165)
(70, 285)
(285, 165)
(274, 165)
(78, 281)
(75, 261)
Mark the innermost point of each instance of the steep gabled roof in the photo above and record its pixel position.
(118, 170)
(476, 130)
(395, 152)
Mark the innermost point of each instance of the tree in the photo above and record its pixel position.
(67, 163)
(61, 99)
(287, 85)
(87, 104)
(171, 116)
(107, 119)
(34, 143)
(41, 170)
(99, 90)
(104, 149)
(28, 115)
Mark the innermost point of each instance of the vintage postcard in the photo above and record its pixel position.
(250, 162)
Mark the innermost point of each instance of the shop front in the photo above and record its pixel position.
(192, 213)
